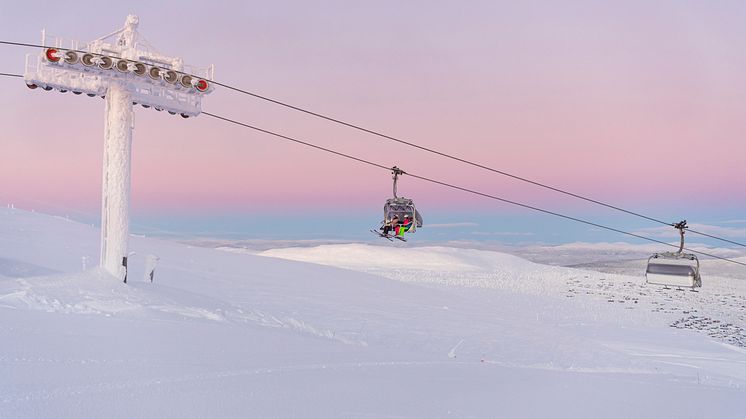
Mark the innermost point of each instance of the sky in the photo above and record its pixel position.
(639, 104)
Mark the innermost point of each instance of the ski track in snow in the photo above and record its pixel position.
(101, 387)
(108, 303)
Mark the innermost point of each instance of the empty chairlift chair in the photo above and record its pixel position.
(675, 269)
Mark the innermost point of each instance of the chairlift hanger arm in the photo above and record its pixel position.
(681, 225)
(396, 172)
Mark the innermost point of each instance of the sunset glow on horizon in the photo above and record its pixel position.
(637, 104)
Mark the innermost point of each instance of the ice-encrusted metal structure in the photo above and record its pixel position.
(124, 69)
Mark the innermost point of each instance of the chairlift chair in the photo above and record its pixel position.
(400, 206)
(677, 269)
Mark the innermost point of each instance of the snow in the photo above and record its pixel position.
(351, 330)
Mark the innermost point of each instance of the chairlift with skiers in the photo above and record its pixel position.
(399, 214)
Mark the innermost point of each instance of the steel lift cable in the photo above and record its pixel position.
(376, 133)
(429, 150)
(463, 189)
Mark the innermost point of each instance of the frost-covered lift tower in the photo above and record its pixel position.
(125, 70)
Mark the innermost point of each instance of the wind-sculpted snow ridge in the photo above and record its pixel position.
(428, 332)
(434, 265)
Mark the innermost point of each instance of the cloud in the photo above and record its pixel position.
(452, 225)
(732, 222)
(669, 232)
(501, 233)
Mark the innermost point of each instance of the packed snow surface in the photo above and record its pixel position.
(352, 331)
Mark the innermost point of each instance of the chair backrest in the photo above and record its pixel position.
(675, 270)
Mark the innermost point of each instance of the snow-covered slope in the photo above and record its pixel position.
(428, 332)
(718, 310)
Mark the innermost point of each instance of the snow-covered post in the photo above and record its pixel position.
(115, 186)
(150, 263)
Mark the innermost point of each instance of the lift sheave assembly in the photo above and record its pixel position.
(153, 79)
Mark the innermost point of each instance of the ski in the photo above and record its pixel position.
(379, 234)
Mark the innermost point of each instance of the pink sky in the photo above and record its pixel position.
(638, 104)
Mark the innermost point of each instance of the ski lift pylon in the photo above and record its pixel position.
(676, 269)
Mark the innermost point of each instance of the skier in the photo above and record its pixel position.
(404, 226)
(392, 225)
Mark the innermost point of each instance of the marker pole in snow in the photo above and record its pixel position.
(124, 264)
(150, 263)
(125, 70)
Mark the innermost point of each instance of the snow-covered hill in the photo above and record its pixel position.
(382, 332)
